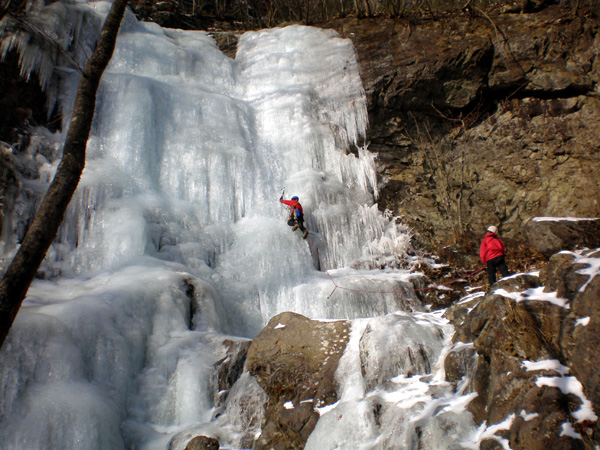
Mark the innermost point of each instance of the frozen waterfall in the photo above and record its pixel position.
(176, 240)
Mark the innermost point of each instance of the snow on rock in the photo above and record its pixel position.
(524, 355)
(535, 294)
(570, 385)
(295, 366)
(551, 235)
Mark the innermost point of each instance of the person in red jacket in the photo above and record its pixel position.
(296, 215)
(492, 254)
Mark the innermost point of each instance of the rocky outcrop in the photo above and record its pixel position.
(229, 369)
(534, 341)
(294, 360)
(203, 443)
(483, 117)
(553, 234)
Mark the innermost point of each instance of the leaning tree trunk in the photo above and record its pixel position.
(43, 229)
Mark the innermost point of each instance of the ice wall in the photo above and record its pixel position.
(190, 150)
(175, 239)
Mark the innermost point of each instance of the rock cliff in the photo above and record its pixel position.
(483, 117)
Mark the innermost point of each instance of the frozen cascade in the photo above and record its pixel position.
(176, 240)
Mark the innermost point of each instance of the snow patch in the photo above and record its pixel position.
(568, 430)
(535, 294)
(563, 219)
(591, 271)
(571, 385)
(528, 416)
(489, 432)
(547, 364)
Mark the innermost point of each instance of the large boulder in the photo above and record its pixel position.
(549, 235)
(294, 360)
(576, 275)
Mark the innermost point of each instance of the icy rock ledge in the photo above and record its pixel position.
(550, 235)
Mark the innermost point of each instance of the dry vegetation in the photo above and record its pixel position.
(252, 14)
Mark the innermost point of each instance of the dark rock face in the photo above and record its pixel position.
(229, 369)
(552, 236)
(22, 103)
(294, 360)
(520, 322)
(482, 119)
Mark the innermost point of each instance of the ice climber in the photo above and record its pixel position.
(492, 254)
(296, 219)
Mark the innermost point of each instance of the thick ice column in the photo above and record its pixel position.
(310, 109)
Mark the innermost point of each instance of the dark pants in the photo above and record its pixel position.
(299, 221)
(494, 264)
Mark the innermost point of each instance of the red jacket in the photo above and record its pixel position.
(294, 205)
(491, 247)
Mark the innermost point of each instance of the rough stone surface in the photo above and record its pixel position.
(551, 236)
(229, 369)
(203, 443)
(500, 334)
(483, 119)
(294, 360)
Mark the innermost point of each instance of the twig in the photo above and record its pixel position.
(448, 118)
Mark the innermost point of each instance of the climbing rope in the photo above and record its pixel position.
(336, 286)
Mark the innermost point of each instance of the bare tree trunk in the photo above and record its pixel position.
(307, 20)
(367, 8)
(43, 229)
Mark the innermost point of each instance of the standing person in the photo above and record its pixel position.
(492, 254)
(296, 214)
